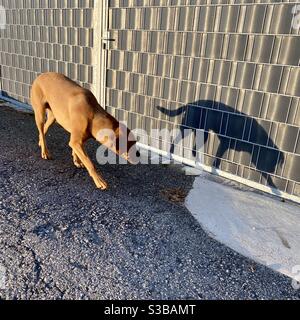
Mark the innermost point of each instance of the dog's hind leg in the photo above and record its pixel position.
(50, 121)
(40, 115)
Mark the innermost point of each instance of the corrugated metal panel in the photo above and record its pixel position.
(45, 35)
(228, 67)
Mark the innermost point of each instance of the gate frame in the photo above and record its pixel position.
(100, 54)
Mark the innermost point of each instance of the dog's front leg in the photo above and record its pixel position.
(76, 160)
(76, 145)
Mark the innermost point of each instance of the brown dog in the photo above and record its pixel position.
(76, 109)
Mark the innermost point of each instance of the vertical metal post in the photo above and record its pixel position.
(100, 51)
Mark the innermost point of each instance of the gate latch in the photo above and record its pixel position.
(106, 39)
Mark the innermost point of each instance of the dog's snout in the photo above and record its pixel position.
(138, 154)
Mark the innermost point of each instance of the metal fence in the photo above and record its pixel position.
(228, 67)
(41, 36)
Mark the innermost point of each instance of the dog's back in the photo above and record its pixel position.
(56, 90)
(63, 96)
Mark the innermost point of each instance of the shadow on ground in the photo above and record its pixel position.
(62, 238)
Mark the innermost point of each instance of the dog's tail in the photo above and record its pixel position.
(171, 113)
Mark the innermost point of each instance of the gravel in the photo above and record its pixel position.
(60, 238)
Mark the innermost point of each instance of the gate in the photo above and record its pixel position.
(231, 70)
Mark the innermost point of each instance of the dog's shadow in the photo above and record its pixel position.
(235, 131)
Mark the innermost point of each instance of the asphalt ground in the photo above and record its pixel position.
(60, 238)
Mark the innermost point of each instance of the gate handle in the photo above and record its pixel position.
(108, 39)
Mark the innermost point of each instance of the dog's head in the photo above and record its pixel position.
(126, 144)
(121, 141)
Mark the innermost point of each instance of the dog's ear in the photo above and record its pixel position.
(122, 131)
(121, 134)
(117, 131)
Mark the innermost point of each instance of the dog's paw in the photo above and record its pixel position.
(100, 183)
(78, 164)
(46, 155)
